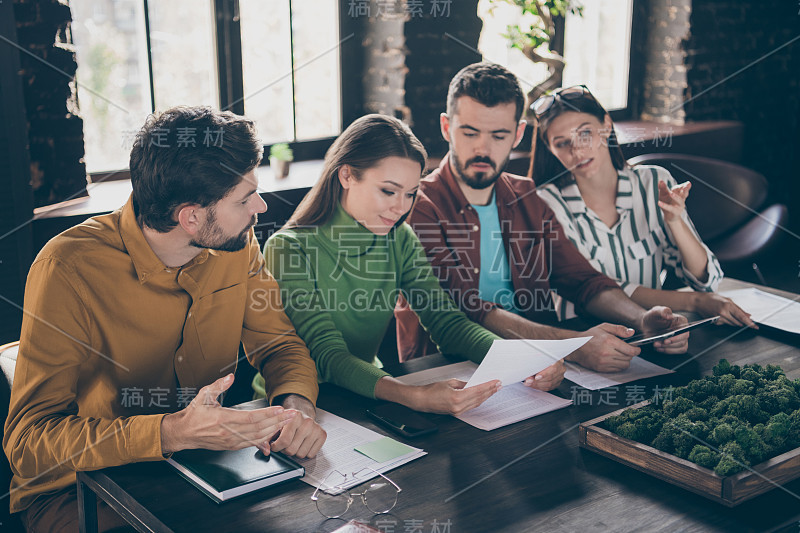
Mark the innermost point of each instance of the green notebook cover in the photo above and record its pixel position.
(223, 475)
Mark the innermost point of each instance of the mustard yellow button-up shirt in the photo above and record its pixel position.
(112, 340)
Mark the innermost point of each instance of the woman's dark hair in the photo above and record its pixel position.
(189, 155)
(363, 145)
(545, 167)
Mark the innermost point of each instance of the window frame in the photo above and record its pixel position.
(231, 81)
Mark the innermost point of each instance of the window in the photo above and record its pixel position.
(285, 107)
(596, 48)
(114, 86)
(277, 62)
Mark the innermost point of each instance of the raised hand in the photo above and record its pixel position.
(673, 201)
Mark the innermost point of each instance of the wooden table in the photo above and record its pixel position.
(530, 476)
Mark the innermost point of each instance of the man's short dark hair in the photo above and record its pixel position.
(189, 155)
(488, 83)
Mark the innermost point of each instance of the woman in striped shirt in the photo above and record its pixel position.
(628, 222)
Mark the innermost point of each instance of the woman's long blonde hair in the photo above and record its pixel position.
(363, 145)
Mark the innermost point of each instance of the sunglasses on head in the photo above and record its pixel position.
(543, 104)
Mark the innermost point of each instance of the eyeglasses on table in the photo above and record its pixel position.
(333, 500)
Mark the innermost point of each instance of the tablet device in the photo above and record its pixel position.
(642, 339)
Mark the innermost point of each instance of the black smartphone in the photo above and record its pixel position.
(642, 339)
(401, 420)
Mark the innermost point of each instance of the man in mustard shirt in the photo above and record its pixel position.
(129, 315)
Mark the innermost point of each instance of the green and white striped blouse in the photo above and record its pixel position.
(638, 246)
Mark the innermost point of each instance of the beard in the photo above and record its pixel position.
(479, 180)
(213, 237)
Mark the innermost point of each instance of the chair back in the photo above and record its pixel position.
(8, 362)
(280, 207)
(723, 196)
(519, 163)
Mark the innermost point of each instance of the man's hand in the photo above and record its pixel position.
(302, 437)
(204, 423)
(660, 318)
(606, 351)
(450, 397)
(547, 379)
(708, 304)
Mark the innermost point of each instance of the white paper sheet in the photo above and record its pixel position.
(589, 379)
(768, 309)
(338, 454)
(512, 360)
(510, 404)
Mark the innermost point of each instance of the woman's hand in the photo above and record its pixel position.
(447, 397)
(693, 254)
(708, 304)
(673, 202)
(450, 397)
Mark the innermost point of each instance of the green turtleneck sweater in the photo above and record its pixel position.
(339, 285)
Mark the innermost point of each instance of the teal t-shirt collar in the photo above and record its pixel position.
(490, 205)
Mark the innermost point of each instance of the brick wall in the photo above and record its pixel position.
(740, 67)
(441, 40)
(667, 25)
(55, 132)
(385, 60)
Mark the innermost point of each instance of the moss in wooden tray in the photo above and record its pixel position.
(745, 414)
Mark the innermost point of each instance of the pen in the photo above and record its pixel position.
(758, 273)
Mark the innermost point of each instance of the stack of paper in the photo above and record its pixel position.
(339, 453)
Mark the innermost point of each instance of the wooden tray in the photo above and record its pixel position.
(730, 490)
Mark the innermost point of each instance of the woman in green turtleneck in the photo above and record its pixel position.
(344, 257)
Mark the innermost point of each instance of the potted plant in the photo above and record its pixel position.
(530, 39)
(280, 156)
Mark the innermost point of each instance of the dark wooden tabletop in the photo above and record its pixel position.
(529, 476)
